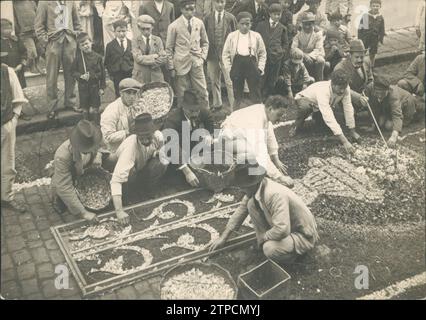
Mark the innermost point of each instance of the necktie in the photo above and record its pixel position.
(189, 27)
(122, 44)
(219, 17)
(147, 46)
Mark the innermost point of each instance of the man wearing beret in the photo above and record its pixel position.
(148, 53)
(187, 48)
(138, 161)
(393, 107)
(117, 119)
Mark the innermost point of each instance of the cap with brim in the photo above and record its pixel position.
(145, 21)
(86, 137)
(356, 46)
(129, 84)
(308, 17)
(144, 124)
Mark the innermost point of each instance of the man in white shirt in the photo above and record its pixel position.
(137, 161)
(117, 119)
(251, 131)
(323, 99)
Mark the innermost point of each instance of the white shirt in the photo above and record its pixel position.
(159, 5)
(124, 43)
(272, 23)
(18, 98)
(243, 44)
(251, 125)
(321, 95)
(131, 154)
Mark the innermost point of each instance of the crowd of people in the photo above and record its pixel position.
(310, 62)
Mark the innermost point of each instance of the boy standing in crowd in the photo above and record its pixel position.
(294, 76)
(163, 13)
(219, 24)
(274, 35)
(244, 57)
(371, 29)
(118, 55)
(88, 70)
(187, 48)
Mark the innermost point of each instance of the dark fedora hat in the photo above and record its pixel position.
(356, 45)
(86, 137)
(144, 124)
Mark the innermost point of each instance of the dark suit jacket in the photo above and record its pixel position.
(249, 6)
(162, 19)
(230, 25)
(117, 60)
(176, 118)
(356, 83)
(276, 40)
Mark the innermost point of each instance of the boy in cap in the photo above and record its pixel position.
(334, 50)
(275, 37)
(285, 227)
(294, 75)
(88, 69)
(312, 45)
(12, 99)
(371, 29)
(148, 53)
(187, 47)
(74, 155)
(185, 121)
(244, 57)
(117, 119)
(324, 100)
(320, 19)
(138, 161)
(118, 56)
(393, 107)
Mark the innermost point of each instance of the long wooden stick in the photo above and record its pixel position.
(375, 122)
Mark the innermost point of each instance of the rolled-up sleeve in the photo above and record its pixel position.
(348, 109)
(271, 140)
(238, 217)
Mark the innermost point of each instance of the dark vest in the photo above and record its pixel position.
(6, 96)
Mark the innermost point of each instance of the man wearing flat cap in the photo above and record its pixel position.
(393, 107)
(77, 153)
(117, 120)
(148, 53)
(138, 162)
(187, 47)
(359, 72)
(285, 227)
(12, 99)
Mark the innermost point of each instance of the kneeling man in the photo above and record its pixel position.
(137, 160)
(285, 227)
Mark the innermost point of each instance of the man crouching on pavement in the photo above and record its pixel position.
(251, 131)
(285, 227)
(12, 99)
(77, 153)
(325, 100)
(137, 161)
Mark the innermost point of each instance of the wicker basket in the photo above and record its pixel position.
(205, 268)
(101, 179)
(209, 178)
(137, 110)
